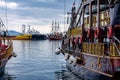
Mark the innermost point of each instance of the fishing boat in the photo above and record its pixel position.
(31, 34)
(92, 43)
(55, 33)
(6, 47)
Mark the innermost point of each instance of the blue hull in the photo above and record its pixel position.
(38, 37)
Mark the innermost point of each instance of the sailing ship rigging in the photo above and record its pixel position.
(6, 47)
(92, 42)
(55, 33)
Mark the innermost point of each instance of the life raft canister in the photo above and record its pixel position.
(96, 32)
(109, 32)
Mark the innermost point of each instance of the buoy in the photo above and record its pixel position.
(14, 54)
(72, 60)
(57, 51)
(67, 56)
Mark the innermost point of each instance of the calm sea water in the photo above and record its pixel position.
(36, 60)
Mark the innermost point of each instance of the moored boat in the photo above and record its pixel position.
(92, 43)
(6, 48)
(30, 35)
(55, 33)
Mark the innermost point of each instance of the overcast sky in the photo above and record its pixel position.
(37, 13)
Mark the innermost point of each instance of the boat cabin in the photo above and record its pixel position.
(98, 23)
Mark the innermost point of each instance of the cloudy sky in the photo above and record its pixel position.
(37, 13)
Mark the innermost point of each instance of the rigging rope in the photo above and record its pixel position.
(6, 14)
(64, 14)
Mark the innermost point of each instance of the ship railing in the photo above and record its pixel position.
(116, 39)
(93, 48)
(117, 48)
(4, 34)
(103, 49)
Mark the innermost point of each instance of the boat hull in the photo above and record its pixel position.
(55, 37)
(2, 67)
(85, 73)
(94, 67)
(5, 55)
(2, 70)
(38, 37)
(31, 37)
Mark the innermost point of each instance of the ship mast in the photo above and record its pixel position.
(23, 29)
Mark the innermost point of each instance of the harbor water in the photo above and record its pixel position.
(36, 60)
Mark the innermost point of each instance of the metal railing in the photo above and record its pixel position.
(103, 49)
(117, 48)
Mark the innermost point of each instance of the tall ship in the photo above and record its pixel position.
(6, 47)
(92, 42)
(55, 33)
(30, 34)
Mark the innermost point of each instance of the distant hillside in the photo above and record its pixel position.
(14, 33)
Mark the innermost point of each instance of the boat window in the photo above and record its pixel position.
(94, 14)
(115, 15)
(86, 17)
(104, 14)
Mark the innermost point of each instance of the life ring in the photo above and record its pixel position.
(88, 33)
(67, 56)
(73, 43)
(77, 40)
(81, 39)
(96, 33)
(109, 32)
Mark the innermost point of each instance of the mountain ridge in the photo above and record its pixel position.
(13, 33)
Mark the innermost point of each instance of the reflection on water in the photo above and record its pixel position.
(36, 60)
(6, 76)
(66, 75)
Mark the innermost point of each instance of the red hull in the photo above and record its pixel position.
(55, 37)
